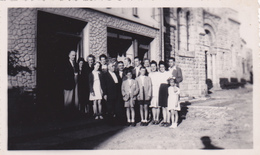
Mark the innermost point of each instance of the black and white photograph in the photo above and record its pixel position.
(130, 78)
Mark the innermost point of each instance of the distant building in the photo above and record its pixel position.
(205, 42)
(207, 45)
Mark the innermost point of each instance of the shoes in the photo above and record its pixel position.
(167, 124)
(96, 117)
(142, 124)
(174, 125)
(162, 124)
(101, 117)
(153, 122)
(128, 123)
(133, 124)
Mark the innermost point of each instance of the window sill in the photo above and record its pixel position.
(190, 54)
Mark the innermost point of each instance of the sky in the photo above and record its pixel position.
(248, 18)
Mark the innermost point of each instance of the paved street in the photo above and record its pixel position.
(223, 121)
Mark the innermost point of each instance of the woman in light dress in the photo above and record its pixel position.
(155, 92)
(96, 91)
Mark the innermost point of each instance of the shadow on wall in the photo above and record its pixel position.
(206, 141)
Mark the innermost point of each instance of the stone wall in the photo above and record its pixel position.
(225, 48)
(22, 38)
(22, 30)
(99, 22)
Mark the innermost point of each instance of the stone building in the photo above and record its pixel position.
(205, 42)
(207, 45)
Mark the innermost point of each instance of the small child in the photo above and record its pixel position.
(173, 101)
(129, 92)
(144, 95)
(96, 91)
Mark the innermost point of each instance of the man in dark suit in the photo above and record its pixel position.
(176, 71)
(120, 109)
(136, 70)
(111, 89)
(89, 67)
(70, 73)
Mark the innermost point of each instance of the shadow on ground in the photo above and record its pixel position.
(184, 110)
(206, 141)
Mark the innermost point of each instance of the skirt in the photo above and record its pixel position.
(163, 95)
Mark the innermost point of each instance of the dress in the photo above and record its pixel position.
(155, 89)
(173, 99)
(163, 89)
(96, 87)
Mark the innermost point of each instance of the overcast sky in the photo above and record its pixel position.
(248, 18)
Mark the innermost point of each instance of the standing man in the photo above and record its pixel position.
(176, 71)
(136, 70)
(111, 89)
(120, 108)
(89, 67)
(70, 74)
(103, 60)
(120, 72)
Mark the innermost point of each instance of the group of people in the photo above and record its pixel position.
(119, 86)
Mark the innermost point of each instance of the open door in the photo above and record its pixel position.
(57, 36)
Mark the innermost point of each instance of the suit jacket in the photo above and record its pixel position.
(91, 82)
(127, 88)
(111, 89)
(83, 84)
(177, 73)
(69, 76)
(134, 72)
(147, 88)
(120, 79)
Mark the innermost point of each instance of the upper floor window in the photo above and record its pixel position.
(135, 12)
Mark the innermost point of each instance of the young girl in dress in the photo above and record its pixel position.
(173, 101)
(130, 90)
(96, 92)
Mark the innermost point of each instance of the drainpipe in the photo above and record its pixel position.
(161, 34)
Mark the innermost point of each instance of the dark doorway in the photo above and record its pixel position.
(56, 37)
(118, 42)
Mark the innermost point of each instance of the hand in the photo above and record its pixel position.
(175, 90)
(105, 97)
(92, 93)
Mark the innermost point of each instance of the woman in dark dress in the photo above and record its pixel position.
(83, 86)
(163, 75)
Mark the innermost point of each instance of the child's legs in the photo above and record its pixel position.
(142, 112)
(164, 110)
(133, 114)
(176, 116)
(128, 114)
(154, 113)
(157, 111)
(172, 116)
(145, 111)
(168, 116)
(99, 106)
(95, 106)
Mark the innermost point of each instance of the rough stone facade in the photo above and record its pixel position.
(22, 38)
(205, 38)
(205, 42)
(22, 30)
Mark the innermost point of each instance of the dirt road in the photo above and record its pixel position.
(225, 121)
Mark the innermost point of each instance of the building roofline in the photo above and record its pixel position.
(115, 14)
